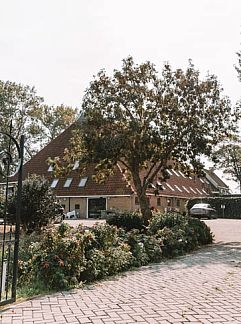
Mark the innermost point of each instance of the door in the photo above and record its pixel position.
(95, 206)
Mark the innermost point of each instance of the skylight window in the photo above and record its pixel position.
(50, 169)
(176, 173)
(170, 187)
(160, 185)
(83, 181)
(179, 189)
(199, 191)
(204, 191)
(68, 182)
(54, 183)
(186, 189)
(76, 165)
(192, 190)
(182, 174)
(169, 171)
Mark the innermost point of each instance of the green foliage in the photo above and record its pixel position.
(128, 221)
(170, 220)
(144, 248)
(65, 257)
(179, 233)
(39, 206)
(232, 205)
(228, 158)
(142, 119)
(39, 123)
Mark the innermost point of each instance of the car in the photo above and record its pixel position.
(203, 210)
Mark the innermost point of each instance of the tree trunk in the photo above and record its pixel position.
(143, 199)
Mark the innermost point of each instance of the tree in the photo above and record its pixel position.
(39, 206)
(238, 67)
(228, 157)
(18, 103)
(37, 121)
(53, 120)
(143, 121)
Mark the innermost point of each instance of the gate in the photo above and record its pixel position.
(11, 162)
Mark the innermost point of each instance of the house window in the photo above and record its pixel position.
(178, 202)
(158, 201)
(169, 202)
(170, 187)
(186, 189)
(199, 191)
(192, 190)
(76, 165)
(175, 172)
(83, 181)
(50, 169)
(54, 183)
(178, 188)
(136, 201)
(169, 172)
(77, 206)
(182, 174)
(68, 182)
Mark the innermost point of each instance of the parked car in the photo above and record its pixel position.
(203, 210)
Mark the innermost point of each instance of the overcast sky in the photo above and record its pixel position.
(58, 45)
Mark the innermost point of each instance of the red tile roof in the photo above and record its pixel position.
(178, 185)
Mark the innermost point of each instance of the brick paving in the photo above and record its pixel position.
(202, 287)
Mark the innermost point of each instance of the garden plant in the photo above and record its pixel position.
(63, 257)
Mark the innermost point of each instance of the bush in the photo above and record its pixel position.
(179, 233)
(128, 221)
(39, 206)
(64, 257)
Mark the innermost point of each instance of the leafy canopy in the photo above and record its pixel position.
(37, 121)
(39, 205)
(143, 119)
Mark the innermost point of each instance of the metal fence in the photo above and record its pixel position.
(11, 162)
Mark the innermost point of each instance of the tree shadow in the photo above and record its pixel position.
(228, 253)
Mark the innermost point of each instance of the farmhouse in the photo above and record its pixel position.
(89, 199)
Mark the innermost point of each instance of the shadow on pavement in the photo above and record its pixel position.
(218, 253)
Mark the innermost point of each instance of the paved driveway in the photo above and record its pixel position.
(202, 287)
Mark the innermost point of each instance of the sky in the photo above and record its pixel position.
(57, 46)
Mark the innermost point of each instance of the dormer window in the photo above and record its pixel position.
(54, 183)
(68, 182)
(83, 181)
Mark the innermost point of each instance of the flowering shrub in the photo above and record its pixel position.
(179, 233)
(63, 257)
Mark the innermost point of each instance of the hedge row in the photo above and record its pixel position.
(65, 257)
(232, 205)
